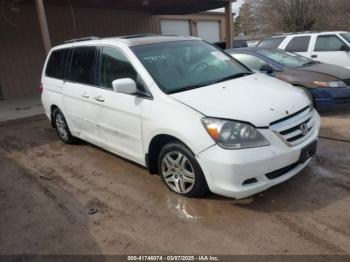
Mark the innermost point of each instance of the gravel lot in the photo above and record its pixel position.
(48, 189)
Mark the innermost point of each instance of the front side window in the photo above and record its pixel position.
(286, 58)
(250, 61)
(82, 68)
(329, 43)
(299, 44)
(271, 43)
(56, 65)
(114, 65)
(346, 36)
(184, 65)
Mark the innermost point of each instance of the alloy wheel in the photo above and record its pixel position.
(61, 127)
(178, 172)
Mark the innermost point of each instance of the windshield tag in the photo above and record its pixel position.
(220, 56)
(153, 59)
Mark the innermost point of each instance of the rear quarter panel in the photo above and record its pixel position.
(52, 91)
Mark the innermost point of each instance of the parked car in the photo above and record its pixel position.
(326, 47)
(184, 109)
(252, 43)
(328, 84)
(237, 43)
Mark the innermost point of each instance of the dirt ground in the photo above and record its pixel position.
(48, 191)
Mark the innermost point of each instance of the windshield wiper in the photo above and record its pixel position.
(234, 76)
(186, 88)
(310, 63)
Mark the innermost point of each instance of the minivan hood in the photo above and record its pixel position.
(257, 99)
(339, 72)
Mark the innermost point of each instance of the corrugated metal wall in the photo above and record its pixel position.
(66, 23)
(21, 49)
(21, 53)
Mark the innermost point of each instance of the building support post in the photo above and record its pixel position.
(45, 33)
(229, 24)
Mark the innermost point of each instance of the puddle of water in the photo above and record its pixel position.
(322, 172)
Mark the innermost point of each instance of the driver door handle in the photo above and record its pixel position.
(85, 95)
(99, 98)
(314, 56)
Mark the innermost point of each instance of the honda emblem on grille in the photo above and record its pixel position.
(304, 129)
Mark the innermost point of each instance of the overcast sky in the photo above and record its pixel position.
(235, 7)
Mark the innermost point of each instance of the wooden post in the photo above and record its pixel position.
(45, 33)
(229, 24)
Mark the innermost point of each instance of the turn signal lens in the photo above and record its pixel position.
(213, 131)
(330, 84)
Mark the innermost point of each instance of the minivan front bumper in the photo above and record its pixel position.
(246, 172)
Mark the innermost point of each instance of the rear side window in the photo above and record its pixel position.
(299, 44)
(329, 43)
(346, 36)
(56, 65)
(82, 68)
(271, 43)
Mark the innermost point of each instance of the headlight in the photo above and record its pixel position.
(330, 84)
(233, 135)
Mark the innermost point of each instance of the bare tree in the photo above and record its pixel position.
(290, 15)
(335, 15)
(245, 22)
(271, 16)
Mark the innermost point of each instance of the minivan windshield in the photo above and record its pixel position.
(184, 65)
(286, 58)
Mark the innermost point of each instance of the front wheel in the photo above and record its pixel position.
(181, 172)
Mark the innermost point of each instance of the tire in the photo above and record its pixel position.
(181, 172)
(62, 128)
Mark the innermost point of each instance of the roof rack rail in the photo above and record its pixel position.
(137, 36)
(81, 39)
(301, 32)
(188, 36)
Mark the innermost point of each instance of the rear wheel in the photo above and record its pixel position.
(62, 127)
(181, 172)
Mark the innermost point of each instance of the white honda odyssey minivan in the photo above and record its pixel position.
(182, 108)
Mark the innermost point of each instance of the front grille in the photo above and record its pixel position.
(295, 128)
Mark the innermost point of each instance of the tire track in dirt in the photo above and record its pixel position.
(135, 212)
(305, 234)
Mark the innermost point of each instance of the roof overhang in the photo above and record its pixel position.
(169, 7)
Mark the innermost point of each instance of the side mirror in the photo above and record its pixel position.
(267, 69)
(345, 48)
(125, 86)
